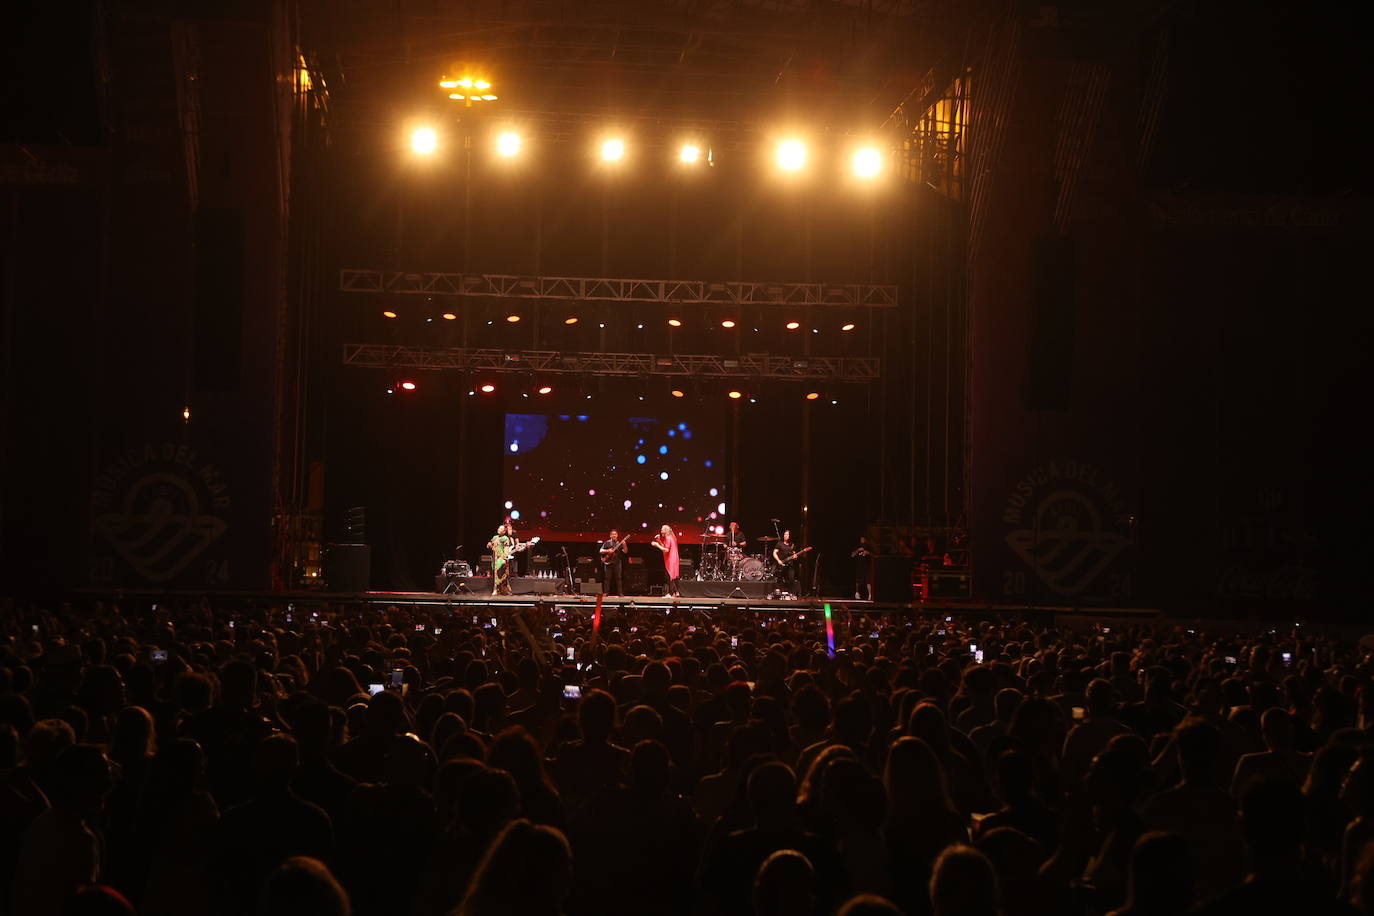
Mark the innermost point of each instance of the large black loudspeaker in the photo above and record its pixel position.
(219, 285)
(1053, 313)
(347, 567)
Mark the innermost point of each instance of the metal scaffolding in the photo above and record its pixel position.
(748, 366)
(605, 289)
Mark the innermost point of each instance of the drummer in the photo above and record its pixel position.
(735, 537)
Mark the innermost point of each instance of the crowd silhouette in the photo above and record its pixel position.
(428, 761)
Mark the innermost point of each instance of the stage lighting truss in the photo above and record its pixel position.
(484, 361)
(605, 289)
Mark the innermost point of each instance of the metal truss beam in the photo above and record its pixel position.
(750, 366)
(605, 289)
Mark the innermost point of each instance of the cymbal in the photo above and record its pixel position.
(767, 538)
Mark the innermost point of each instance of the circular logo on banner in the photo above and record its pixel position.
(159, 509)
(1064, 525)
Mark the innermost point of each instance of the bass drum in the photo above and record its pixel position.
(751, 569)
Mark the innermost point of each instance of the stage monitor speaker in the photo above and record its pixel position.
(347, 567)
(588, 587)
(636, 580)
(1053, 316)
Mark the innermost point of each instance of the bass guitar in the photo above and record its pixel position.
(796, 556)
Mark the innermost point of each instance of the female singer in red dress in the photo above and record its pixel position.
(666, 541)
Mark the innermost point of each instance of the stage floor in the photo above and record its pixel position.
(534, 585)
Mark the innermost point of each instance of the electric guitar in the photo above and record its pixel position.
(608, 552)
(796, 556)
(530, 543)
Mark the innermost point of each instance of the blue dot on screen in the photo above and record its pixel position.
(662, 475)
(672, 432)
(639, 459)
(682, 426)
(708, 462)
(663, 449)
(687, 434)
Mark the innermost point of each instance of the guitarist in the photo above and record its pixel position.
(613, 553)
(786, 555)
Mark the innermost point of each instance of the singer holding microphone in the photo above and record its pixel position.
(666, 542)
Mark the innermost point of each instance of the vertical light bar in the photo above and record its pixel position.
(829, 631)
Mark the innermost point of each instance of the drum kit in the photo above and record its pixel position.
(721, 562)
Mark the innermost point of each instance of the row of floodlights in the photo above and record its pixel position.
(544, 390)
(726, 323)
(790, 155)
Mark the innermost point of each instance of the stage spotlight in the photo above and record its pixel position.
(388, 314)
(449, 316)
(813, 395)
(186, 414)
(448, 84)
(457, 96)
(867, 162)
(847, 327)
(793, 325)
(736, 395)
(508, 144)
(791, 155)
(481, 84)
(513, 318)
(728, 323)
(678, 393)
(424, 140)
(488, 388)
(408, 386)
(613, 150)
(545, 389)
(674, 323)
(571, 319)
(689, 153)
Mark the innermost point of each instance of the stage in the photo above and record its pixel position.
(540, 585)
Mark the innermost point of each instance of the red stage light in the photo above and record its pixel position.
(545, 389)
(408, 386)
(487, 388)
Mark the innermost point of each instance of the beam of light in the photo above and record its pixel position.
(689, 153)
(424, 140)
(791, 155)
(508, 144)
(867, 162)
(596, 617)
(613, 150)
(829, 632)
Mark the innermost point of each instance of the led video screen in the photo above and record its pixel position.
(575, 476)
